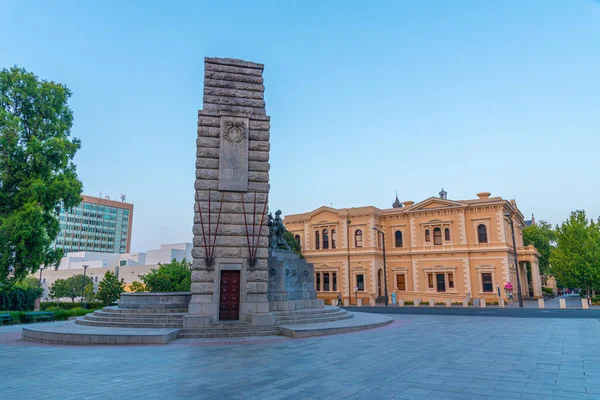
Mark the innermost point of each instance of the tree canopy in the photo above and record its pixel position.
(71, 288)
(575, 262)
(543, 237)
(37, 173)
(172, 277)
(110, 288)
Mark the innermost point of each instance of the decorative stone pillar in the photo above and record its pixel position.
(232, 187)
(536, 279)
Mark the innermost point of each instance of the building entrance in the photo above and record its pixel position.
(229, 305)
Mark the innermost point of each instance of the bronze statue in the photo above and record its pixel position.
(276, 231)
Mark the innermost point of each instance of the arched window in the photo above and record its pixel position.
(398, 239)
(333, 238)
(317, 240)
(325, 239)
(437, 236)
(427, 237)
(297, 238)
(482, 233)
(358, 238)
(447, 234)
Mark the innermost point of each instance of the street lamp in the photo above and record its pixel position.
(384, 268)
(512, 228)
(41, 269)
(85, 267)
(349, 278)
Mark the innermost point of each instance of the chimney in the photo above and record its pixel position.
(408, 203)
(443, 194)
(484, 195)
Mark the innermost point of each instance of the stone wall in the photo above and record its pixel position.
(232, 165)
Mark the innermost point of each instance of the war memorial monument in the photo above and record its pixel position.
(245, 281)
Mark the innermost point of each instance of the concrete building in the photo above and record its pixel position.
(128, 266)
(438, 248)
(96, 224)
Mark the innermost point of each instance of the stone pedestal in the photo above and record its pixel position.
(359, 302)
(562, 303)
(431, 302)
(541, 303)
(417, 302)
(291, 282)
(465, 303)
(584, 303)
(448, 303)
(482, 303)
(400, 302)
(501, 303)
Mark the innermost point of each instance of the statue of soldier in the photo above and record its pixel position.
(276, 231)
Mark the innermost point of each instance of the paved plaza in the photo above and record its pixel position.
(416, 357)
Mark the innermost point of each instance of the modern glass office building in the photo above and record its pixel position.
(96, 224)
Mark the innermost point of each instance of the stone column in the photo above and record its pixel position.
(536, 279)
(231, 169)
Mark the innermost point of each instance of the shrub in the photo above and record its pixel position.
(18, 299)
(547, 290)
(110, 288)
(172, 277)
(59, 314)
(409, 302)
(425, 303)
(44, 306)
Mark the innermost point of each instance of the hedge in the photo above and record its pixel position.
(19, 299)
(68, 306)
(59, 315)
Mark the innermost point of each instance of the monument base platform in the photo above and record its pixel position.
(298, 324)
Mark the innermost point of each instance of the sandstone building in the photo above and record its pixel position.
(438, 248)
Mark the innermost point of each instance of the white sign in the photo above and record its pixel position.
(356, 288)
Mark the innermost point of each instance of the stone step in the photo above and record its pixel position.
(311, 316)
(101, 318)
(306, 311)
(221, 334)
(102, 313)
(146, 310)
(82, 321)
(314, 320)
(233, 329)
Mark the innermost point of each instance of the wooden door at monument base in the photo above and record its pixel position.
(229, 306)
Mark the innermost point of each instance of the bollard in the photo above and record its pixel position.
(541, 303)
(584, 303)
(482, 303)
(563, 303)
(372, 302)
(431, 302)
(417, 302)
(359, 302)
(346, 302)
(501, 303)
(334, 302)
(448, 303)
(400, 302)
(466, 303)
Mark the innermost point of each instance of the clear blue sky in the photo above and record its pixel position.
(365, 98)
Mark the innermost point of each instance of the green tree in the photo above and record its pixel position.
(59, 289)
(137, 286)
(172, 277)
(575, 259)
(543, 237)
(293, 243)
(74, 285)
(28, 282)
(110, 288)
(37, 174)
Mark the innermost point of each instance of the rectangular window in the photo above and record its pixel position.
(334, 279)
(441, 282)
(121, 263)
(451, 281)
(326, 281)
(401, 282)
(360, 282)
(430, 280)
(486, 280)
(318, 282)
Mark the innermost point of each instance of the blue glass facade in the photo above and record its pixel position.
(95, 227)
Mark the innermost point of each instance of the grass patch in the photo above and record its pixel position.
(59, 314)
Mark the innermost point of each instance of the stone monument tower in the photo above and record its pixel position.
(230, 270)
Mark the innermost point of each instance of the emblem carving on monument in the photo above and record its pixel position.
(234, 131)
